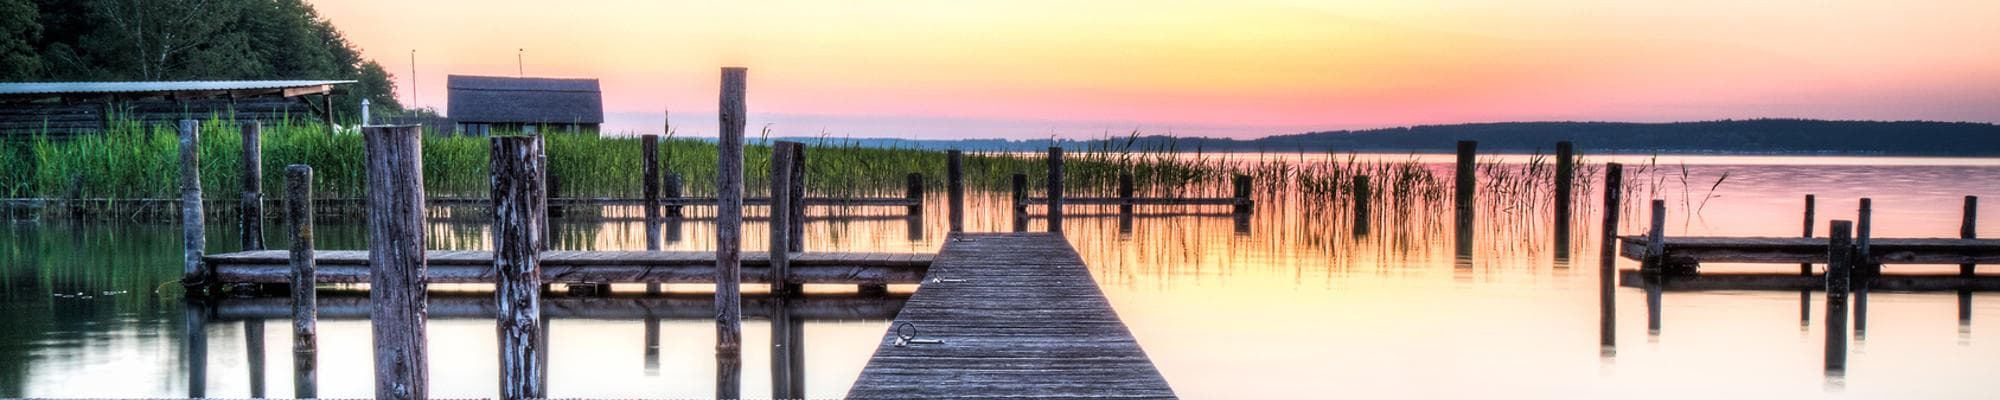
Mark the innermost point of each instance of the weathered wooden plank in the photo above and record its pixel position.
(1019, 317)
(1794, 282)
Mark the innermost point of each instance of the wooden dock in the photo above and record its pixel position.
(464, 266)
(1692, 251)
(1013, 315)
(479, 305)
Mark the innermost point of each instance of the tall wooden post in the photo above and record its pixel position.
(326, 102)
(252, 206)
(729, 234)
(1362, 195)
(1839, 264)
(913, 190)
(516, 167)
(649, 154)
(1967, 229)
(1055, 189)
(781, 211)
(305, 303)
(1607, 256)
(797, 236)
(1241, 184)
(954, 182)
(397, 285)
(672, 191)
(1020, 202)
(1125, 193)
(1864, 267)
(1805, 269)
(1656, 241)
(1463, 189)
(194, 242)
(1565, 173)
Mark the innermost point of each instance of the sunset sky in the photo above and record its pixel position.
(1033, 69)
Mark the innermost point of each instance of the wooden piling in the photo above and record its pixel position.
(1055, 189)
(1656, 240)
(253, 348)
(649, 155)
(728, 234)
(955, 188)
(797, 236)
(194, 242)
(397, 289)
(517, 218)
(1865, 269)
(1020, 202)
(781, 211)
(1840, 264)
(1967, 229)
(1607, 256)
(305, 303)
(1241, 185)
(1362, 196)
(1463, 189)
(1805, 269)
(1565, 174)
(1125, 192)
(251, 209)
(672, 189)
(913, 189)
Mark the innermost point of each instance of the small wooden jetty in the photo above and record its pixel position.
(1009, 315)
(1675, 262)
(596, 267)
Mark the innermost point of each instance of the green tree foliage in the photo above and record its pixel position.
(108, 40)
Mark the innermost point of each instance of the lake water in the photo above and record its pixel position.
(1285, 303)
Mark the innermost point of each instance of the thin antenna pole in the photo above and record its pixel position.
(519, 71)
(413, 79)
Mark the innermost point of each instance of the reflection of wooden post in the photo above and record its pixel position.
(1020, 202)
(781, 354)
(913, 190)
(729, 235)
(1607, 256)
(1656, 240)
(517, 216)
(194, 241)
(1362, 198)
(1967, 229)
(1055, 189)
(194, 319)
(781, 211)
(396, 260)
(252, 206)
(652, 332)
(1463, 188)
(305, 303)
(955, 188)
(1839, 264)
(649, 155)
(1565, 171)
(253, 346)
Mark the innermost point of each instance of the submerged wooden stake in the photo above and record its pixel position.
(1840, 263)
(1656, 240)
(396, 233)
(193, 241)
(1565, 173)
(1241, 184)
(305, 303)
(517, 218)
(729, 235)
(251, 209)
(1362, 197)
(1463, 189)
(1607, 256)
(1967, 229)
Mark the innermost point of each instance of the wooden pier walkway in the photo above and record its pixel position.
(464, 266)
(1017, 315)
(1694, 251)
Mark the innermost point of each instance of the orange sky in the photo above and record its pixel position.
(1032, 69)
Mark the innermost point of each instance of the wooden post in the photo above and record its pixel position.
(252, 207)
(649, 154)
(1055, 189)
(672, 190)
(1865, 268)
(326, 101)
(1840, 263)
(1805, 269)
(1020, 202)
(1363, 196)
(1241, 184)
(1463, 188)
(1125, 192)
(729, 235)
(955, 188)
(781, 211)
(913, 189)
(397, 285)
(253, 346)
(1656, 240)
(1967, 229)
(194, 242)
(1607, 256)
(1565, 173)
(797, 236)
(305, 303)
(517, 218)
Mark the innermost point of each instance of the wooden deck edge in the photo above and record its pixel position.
(1794, 282)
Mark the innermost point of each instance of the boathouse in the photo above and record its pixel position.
(65, 108)
(479, 104)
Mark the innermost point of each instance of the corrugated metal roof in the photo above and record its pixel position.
(474, 82)
(487, 99)
(151, 87)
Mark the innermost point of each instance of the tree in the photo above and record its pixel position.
(18, 33)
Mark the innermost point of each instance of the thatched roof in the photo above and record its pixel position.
(491, 99)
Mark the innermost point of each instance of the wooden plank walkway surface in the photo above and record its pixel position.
(468, 266)
(1019, 317)
(1794, 250)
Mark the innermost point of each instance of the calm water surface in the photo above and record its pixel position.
(1284, 303)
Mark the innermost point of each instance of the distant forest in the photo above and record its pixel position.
(1761, 136)
(151, 40)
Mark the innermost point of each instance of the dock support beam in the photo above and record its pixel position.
(517, 219)
(252, 206)
(194, 242)
(954, 171)
(1362, 195)
(396, 232)
(1463, 189)
(1840, 263)
(305, 299)
(1055, 189)
(729, 235)
(1565, 173)
(781, 221)
(1607, 258)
